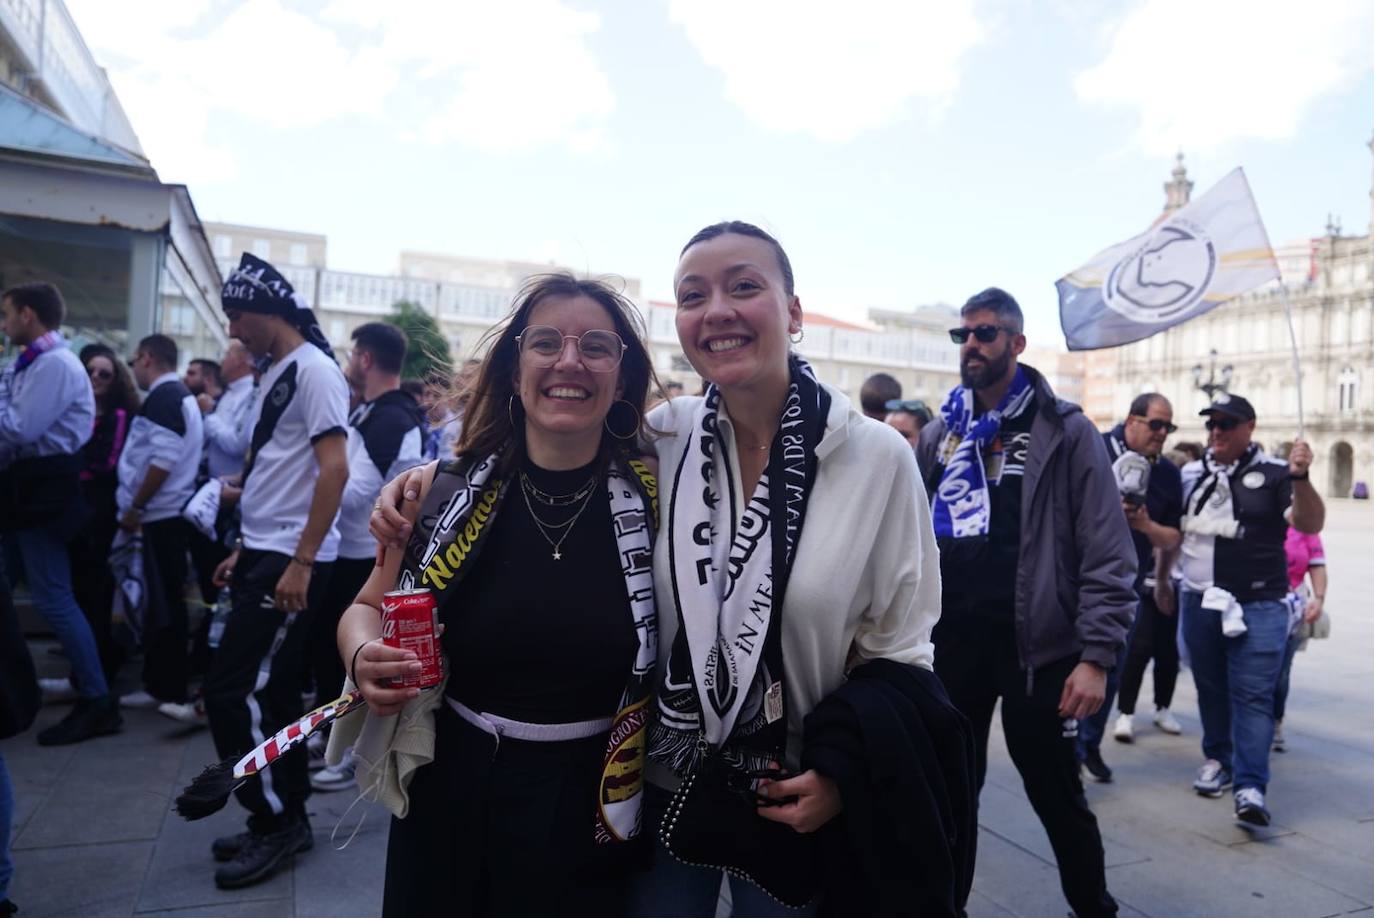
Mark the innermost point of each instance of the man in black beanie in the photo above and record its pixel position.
(292, 481)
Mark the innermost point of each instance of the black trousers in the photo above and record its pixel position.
(976, 659)
(505, 831)
(253, 688)
(166, 656)
(93, 584)
(1155, 637)
(322, 651)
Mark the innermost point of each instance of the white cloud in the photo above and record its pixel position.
(1204, 73)
(506, 76)
(828, 70)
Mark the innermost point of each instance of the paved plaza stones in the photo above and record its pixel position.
(96, 836)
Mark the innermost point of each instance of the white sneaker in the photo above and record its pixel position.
(189, 713)
(335, 777)
(1124, 731)
(1166, 721)
(138, 700)
(57, 691)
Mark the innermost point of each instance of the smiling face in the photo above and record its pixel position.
(1227, 445)
(734, 313)
(101, 371)
(566, 400)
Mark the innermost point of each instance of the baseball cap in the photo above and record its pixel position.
(1232, 406)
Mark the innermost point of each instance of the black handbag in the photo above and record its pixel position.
(712, 821)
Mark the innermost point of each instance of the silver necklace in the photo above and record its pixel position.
(556, 500)
(544, 528)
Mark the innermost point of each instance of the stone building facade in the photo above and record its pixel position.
(1328, 282)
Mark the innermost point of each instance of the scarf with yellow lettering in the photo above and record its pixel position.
(453, 526)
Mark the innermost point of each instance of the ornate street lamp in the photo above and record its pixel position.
(1213, 385)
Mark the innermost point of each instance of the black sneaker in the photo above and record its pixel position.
(262, 855)
(227, 847)
(89, 717)
(1092, 760)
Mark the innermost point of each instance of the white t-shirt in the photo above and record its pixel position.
(303, 397)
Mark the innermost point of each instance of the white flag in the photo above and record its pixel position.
(1197, 258)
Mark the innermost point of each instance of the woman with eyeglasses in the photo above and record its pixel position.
(116, 403)
(797, 577)
(535, 543)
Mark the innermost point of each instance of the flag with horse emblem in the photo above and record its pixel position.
(1193, 260)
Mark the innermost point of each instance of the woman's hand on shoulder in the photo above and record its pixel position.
(398, 506)
(818, 801)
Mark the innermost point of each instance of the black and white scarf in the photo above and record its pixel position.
(1214, 486)
(724, 682)
(454, 523)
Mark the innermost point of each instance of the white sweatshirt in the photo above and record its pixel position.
(866, 579)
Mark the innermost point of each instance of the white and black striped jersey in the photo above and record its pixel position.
(166, 434)
(302, 397)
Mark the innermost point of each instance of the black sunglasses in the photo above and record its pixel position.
(1158, 424)
(1222, 423)
(984, 333)
(100, 373)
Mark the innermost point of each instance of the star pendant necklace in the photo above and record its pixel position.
(544, 528)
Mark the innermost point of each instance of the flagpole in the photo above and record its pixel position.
(1293, 341)
(1287, 311)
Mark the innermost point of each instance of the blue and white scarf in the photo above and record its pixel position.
(962, 507)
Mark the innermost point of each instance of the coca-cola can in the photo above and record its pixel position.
(410, 621)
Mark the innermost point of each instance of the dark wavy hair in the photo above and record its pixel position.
(492, 424)
(122, 392)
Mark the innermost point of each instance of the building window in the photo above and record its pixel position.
(681, 364)
(263, 249)
(298, 253)
(1348, 385)
(224, 247)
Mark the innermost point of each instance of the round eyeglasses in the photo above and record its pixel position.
(542, 345)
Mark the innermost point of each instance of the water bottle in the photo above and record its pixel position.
(218, 618)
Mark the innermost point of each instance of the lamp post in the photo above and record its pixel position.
(1213, 385)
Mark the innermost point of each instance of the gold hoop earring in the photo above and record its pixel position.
(639, 421)
(801, 333)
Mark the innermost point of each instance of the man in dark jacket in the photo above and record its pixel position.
(1037, 568)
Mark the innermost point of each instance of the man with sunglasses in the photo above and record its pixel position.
(1154, 519)
(1036, 569)
(1235, 577)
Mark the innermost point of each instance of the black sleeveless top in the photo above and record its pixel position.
(537, 639)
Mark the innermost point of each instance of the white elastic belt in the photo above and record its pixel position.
(504, 727)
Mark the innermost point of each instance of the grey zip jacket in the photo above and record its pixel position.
(1075, 574)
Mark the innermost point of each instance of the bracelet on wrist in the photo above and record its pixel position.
(353, 664)
(297, 559)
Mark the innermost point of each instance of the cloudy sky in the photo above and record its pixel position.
(904, 152)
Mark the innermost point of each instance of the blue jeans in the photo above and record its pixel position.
(673, 889)
(1236, 679)
(6, 818)
(1290, 650)
(48, 573)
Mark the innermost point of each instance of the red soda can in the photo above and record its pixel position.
(410, 621)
